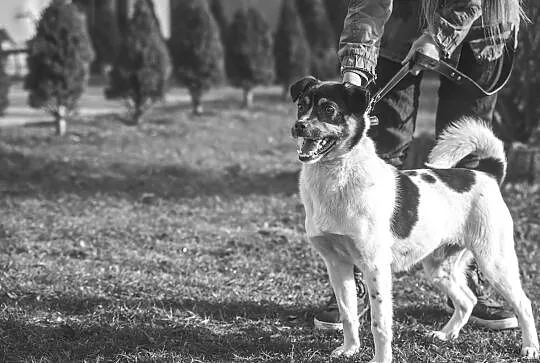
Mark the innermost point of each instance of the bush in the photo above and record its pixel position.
(105, 35)
(143, 66)
(291, 49)
(249, 52)
(518, 109)
(5, 84)
(58, 60)
(196, 49)
(321, 38)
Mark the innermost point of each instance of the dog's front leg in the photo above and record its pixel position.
(342, 280)
(378, 277)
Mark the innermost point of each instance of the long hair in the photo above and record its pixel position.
(494, 12)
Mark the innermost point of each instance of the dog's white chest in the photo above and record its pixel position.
(331, 207)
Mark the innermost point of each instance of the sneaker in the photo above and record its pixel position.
(491, 314)
(487, 312)
(329, 318)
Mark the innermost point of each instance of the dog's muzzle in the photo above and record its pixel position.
(313, 142)
(298, 129)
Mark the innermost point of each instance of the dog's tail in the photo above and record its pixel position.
(469, 143)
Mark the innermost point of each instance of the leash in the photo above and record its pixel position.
(423, 62)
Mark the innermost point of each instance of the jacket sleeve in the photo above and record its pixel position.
(361, 35)
(452, 23)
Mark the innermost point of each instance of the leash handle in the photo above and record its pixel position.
(418, 62)
(391, 83)
(421, 62)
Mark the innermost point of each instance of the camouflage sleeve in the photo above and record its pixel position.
(452, 22)
(361, 35)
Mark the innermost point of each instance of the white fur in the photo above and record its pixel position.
(349, 200)
(464, 137)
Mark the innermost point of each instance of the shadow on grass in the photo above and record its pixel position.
(25, 175)
(198, 329)
(94, 327)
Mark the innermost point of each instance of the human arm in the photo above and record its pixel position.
(448, 25)
(359, 43)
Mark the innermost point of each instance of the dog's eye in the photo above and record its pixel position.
(329, 110)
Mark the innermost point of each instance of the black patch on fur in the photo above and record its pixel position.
(428, 178)
(459, 180)
(493, 167)
(405, 213)
(299, 87)
(411, 172)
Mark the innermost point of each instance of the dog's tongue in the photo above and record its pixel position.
(309, 146)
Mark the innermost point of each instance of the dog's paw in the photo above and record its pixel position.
(374, 360)
(439, 335)
(344, 351)
(530, 353)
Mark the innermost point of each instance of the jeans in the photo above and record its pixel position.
(398, 110)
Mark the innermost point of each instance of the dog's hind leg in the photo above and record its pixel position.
(500, 267)
(446, 266)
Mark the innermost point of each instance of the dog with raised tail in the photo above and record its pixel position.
(362, 211)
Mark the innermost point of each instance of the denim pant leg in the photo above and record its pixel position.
(397, 113)
(456, 101)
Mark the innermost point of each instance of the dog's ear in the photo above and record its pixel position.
(300, 87)
(357, 99)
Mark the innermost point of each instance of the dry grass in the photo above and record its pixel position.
(182, 240)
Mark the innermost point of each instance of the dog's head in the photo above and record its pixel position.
(331, 118)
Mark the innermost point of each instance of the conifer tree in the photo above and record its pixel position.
(320, 36)
(291, 48)
(143, 67)
(105, 34)
(249, 57)
(58, 62)
(196, 49)
(5, 84)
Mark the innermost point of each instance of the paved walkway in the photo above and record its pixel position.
(92, 103)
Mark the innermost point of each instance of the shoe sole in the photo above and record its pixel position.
(501, 324)
(324, 325)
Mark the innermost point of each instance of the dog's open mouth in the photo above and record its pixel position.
(311, 150)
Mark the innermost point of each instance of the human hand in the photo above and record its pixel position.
(426, 45)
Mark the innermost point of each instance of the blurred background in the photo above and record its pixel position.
(149, 206)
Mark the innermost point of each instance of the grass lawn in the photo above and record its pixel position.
(183, 240)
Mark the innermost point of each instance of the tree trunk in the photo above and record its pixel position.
(60, 121)
(285, 92)
(248, 98)
(196, 102)
(137, 115)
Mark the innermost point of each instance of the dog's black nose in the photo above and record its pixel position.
(298, 128)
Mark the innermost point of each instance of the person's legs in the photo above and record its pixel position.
(397, 113)
(397, 118)
(454, 103)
